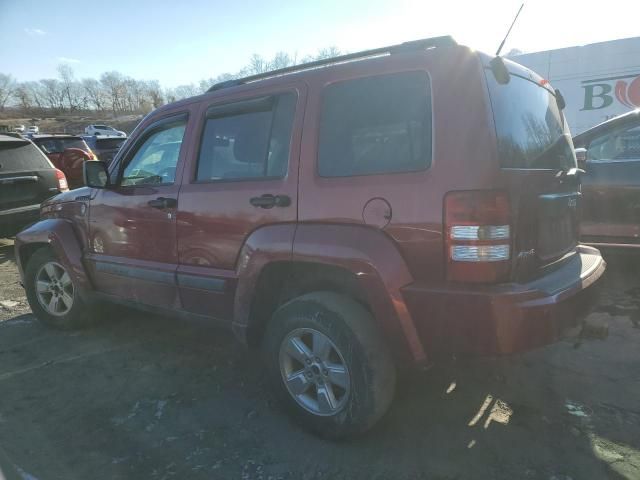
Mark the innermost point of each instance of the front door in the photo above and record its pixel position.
(611, 187)
(243, 176)
(132, 237)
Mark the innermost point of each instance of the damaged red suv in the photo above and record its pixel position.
(349, 217)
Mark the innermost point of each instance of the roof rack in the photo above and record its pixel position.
(423, 44)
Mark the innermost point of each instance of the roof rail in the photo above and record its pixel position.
(423, 44)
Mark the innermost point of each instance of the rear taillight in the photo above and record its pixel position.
(478, 235)
(63, 186)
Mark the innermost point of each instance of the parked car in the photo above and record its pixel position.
(103, 130)
(19, 129)
(27, 178)
(66, 152)
(105, 147)
(610, 155)
(389, 209)
(33, 129)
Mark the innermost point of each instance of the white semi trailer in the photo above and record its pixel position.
(598, 81)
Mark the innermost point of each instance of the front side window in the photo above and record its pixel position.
(376, 125)
(248, 140)
(620, 144)
(156, 160)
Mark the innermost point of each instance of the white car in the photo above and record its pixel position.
(103, 130)
(33, 129)
(19, 129)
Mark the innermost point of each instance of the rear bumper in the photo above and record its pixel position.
(505, 318)
(15, 219)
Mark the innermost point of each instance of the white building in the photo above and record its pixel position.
(598, 81)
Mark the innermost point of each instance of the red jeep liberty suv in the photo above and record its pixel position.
(347, 216)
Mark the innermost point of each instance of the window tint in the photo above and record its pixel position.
(376, 125)
(19, 156)
(620, 144)
(529, 125)
(247, 141)
(156, 160)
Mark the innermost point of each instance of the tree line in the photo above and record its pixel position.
(119, 94)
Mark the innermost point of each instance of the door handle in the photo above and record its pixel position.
(163, 202)
(270, 201)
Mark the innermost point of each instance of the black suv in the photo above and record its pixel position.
(27, 178)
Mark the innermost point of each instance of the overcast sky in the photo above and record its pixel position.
(180, 42)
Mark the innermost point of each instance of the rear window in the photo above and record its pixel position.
(109, 143)
(529, 125)
(376, 125)
(21, 156)
(58, 145)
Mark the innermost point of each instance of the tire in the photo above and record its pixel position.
(43, 266)
(356, 366)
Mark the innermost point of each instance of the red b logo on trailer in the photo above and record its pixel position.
(629, 94)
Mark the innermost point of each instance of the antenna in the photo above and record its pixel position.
(509, 31)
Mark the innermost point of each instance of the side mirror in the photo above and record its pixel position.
(581, 157)
(96, 174)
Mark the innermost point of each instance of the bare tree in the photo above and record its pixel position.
(69, 86)
(118, 93)
(7, 87)
(323, 54)
(53, 93)
(154, 93)
(281, 60)
(183, 91)
(94, 92)
(113, 85)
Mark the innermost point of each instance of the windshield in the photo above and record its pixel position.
(530, 127)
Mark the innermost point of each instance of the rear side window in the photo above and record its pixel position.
(376, 125)
(247, 140)
(529, 125)
(21, 156)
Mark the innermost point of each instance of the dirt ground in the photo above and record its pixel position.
(146, 397)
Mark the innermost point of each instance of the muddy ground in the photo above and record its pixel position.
(146, 397)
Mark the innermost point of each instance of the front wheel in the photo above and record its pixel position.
(329, 365)
(52, 294)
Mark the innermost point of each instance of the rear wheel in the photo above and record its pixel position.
(329, 365)
(52, 294)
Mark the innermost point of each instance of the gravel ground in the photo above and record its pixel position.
(148, 397)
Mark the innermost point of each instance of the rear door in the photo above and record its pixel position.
(611, 186)
(27, 177)
(536, 157)
(243, 176)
